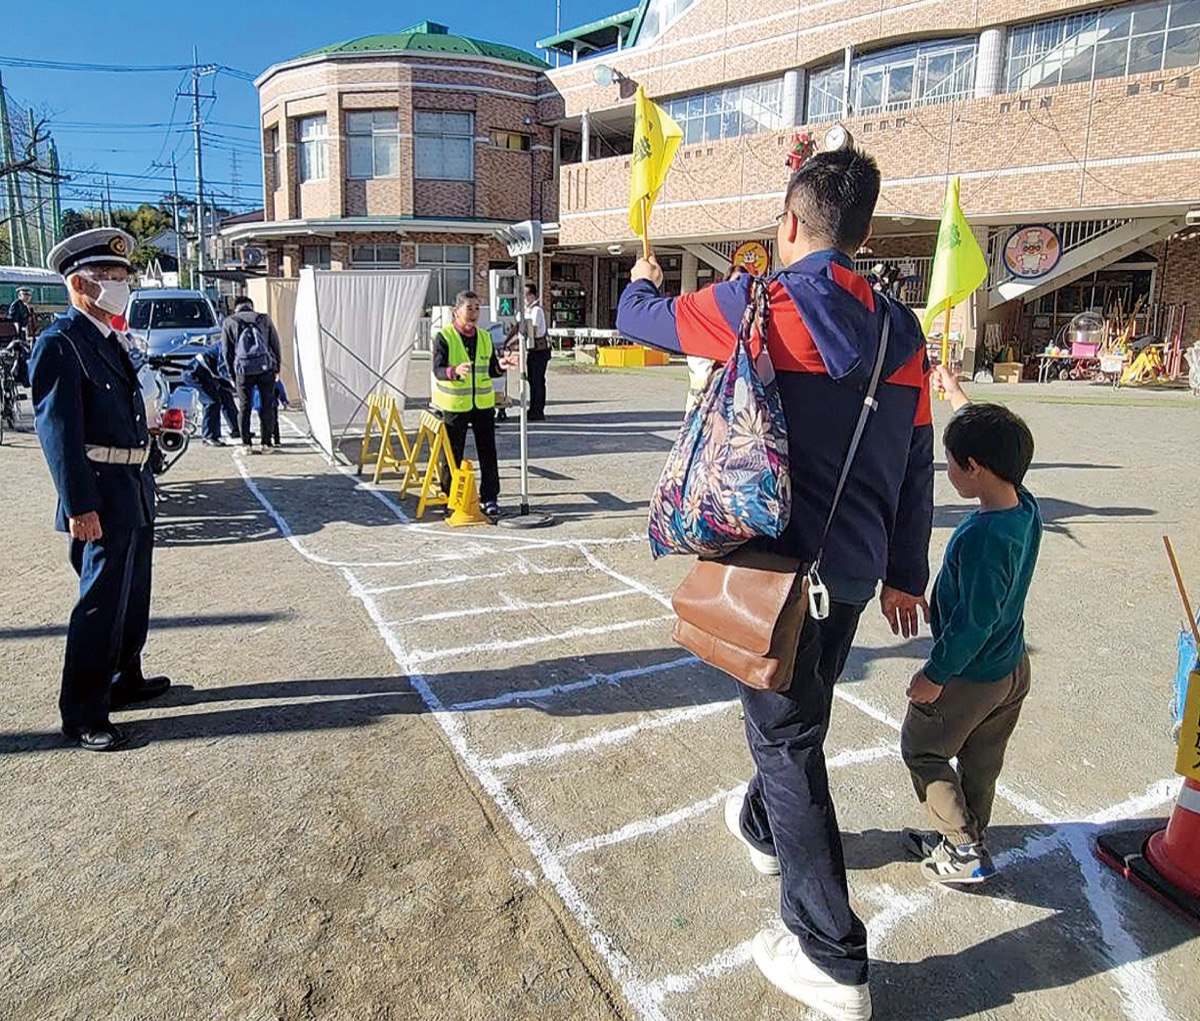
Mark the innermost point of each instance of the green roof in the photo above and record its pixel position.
(429, 37)
(604, 29)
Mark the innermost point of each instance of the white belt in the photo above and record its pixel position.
(117, 455)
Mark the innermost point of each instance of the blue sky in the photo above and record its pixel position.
(123, 123)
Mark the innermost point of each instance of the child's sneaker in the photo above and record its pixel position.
(919, 844)
(965, 863)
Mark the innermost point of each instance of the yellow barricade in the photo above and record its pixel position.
(431, 436)
(383, 416)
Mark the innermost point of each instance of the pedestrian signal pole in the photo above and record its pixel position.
(522, 240)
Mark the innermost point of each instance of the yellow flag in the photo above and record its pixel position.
(655, 138)
(959, 266)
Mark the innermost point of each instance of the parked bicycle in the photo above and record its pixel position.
(12, 358)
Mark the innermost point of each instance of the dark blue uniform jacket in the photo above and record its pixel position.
(85, 392)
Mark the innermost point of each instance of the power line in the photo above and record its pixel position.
(61, 65)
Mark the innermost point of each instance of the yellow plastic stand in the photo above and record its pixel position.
(376, 419)
(464, 499)
(431, 436)
(383, 416)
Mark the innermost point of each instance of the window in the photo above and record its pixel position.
(1134, 39)
(451, 271)
(445, 145)
(730, 112)
(375, 256)
(895, 79)
(659, 16)
(510, 140)
(314, 148)
(272, 148)
(316, 256)
(373, 139)
(171, 314)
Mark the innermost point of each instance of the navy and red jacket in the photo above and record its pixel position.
(823, 338)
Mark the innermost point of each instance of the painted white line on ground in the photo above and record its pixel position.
(723, 963)
(529, 694)
(617, 962)
(856, 756)
(644, 827)
(608, 738)
(1133, 975)
(510, 604)
(1157, 794)
(599, 565)
(426, 655)
(459, 579)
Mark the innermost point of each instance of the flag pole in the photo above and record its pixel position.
(645, 228)
(945, 347)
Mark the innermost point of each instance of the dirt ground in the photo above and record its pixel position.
(409, 772)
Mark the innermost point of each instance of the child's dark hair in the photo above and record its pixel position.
(834, 196)
(996, 438)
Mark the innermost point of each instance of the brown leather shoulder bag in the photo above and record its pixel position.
(743, 612)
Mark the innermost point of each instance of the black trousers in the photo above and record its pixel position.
(216, 398)
(108, 625)
(482, 423)
(788, 811)
(535, 367)
(264, 383)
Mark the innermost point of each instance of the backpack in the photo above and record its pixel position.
(250, 352)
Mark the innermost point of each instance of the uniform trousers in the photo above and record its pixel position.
(788, 811)
(108, 625)
(482, 422)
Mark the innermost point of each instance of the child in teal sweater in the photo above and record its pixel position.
(964, 703)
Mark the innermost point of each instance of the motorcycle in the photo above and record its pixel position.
(172, 417)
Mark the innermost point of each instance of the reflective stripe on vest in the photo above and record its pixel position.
(476, 391)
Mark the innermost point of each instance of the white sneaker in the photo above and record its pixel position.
(780, 958)
(767, 864)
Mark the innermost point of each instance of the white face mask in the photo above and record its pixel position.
(114, 295)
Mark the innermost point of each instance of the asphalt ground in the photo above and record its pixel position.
(415, 772)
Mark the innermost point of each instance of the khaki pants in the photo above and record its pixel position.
(971, 721)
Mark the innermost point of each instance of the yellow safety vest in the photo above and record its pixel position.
(476, 391)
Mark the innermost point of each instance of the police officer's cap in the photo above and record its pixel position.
(102, 246)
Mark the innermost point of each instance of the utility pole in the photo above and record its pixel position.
(55, 195)
(15, 208)
(199, 166)
(175, 211)
(108, 214)
(37, 193)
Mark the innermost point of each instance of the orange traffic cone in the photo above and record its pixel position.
(1175, 851)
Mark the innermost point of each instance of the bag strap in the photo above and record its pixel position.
(869, 405)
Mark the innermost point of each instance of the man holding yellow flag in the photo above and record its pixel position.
(824, 338)
(655, 138)
(959, 266)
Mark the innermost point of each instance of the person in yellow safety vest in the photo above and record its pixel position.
(464, 365)
(700, 370)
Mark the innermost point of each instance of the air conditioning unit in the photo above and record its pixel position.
(252, 256)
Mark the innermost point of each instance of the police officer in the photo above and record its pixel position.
(20, 312)
(91, 420)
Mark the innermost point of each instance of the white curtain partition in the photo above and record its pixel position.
(354, 331)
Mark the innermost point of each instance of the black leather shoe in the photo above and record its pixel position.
(103, 737)
(151, 687)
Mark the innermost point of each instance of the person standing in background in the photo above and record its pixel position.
(252, 357)
(537, 352)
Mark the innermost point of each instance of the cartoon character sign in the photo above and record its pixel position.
(1032, 251)
(753, 255)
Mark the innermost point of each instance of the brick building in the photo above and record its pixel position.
(400, 151)
(1071, 117)
(1075, 116)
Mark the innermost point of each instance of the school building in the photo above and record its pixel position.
(1073, 126)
